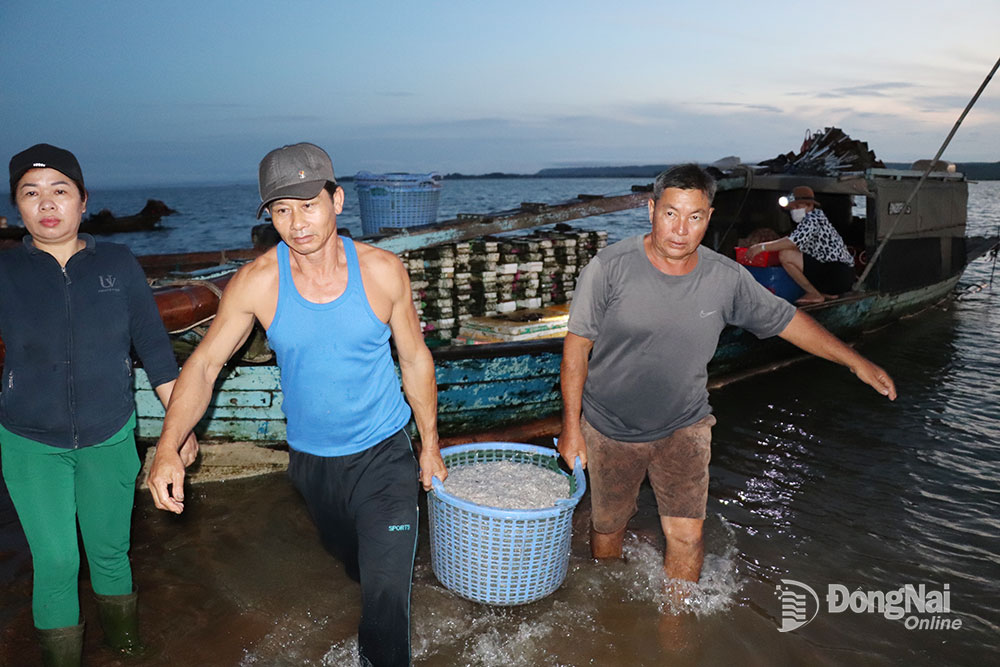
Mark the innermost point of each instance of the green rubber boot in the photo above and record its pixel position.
(119, 616)
(61, 647)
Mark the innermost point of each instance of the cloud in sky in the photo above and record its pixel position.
(191, 90)
(740, 105)
(886, 89)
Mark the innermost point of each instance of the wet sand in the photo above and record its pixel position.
(239, 579)
(214, 582)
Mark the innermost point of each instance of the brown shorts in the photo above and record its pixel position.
(677, 467)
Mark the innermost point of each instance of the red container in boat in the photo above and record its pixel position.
(765, 258)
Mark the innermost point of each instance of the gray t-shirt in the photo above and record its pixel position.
(654, 335)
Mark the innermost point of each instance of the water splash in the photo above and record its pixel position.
(642, 578)
(285, 640)
(469, 634)
(450, 630)
(342, 653)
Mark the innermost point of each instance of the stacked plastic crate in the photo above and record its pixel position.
(519, 274)
(492, 276)
(484, 256)
(432, 283)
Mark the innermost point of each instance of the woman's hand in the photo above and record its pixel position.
(755, 250)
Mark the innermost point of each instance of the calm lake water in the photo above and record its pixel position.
(221, 217)
(815, 480)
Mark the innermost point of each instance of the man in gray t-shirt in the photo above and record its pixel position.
(655, 333)
(645, 321)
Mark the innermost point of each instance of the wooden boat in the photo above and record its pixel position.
(493, 386)
(105, 222)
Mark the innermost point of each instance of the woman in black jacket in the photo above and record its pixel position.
(71, 310)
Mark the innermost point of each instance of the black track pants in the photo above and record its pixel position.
(365, 507)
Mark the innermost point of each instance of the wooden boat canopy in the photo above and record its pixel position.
(926, 241)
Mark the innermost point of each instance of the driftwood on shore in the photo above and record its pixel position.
(105, 222)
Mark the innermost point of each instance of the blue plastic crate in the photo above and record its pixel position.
(397, 200)
(497, 556)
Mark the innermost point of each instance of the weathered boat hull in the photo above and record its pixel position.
(486, 388)
(740, 352)
(156, 266)
(492, 386)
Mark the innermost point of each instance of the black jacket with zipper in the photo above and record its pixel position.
(69, 332)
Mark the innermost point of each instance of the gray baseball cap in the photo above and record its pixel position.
(298, 171)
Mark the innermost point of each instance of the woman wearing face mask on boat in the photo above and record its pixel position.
(814, 255)
(70, 312)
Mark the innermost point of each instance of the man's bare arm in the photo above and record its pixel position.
(189, 450)
(806, 333)
(417, 369)
(572, 376)
(193, 389)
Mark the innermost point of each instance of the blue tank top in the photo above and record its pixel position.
(339, 385)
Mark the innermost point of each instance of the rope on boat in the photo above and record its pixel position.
(993, 255)
(970, 290)
(210, 286)
(927, 171)
(194, 326)
(979, 287)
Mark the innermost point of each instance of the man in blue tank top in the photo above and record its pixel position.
(329, 307)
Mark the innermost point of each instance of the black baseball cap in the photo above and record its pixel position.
(45, 156)
(299, 171)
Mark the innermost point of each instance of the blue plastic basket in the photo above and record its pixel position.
(777, 280)
(397, 200)
(497, 556)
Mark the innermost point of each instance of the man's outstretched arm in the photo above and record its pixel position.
(806, 333)
(189, 450)
(193, 390)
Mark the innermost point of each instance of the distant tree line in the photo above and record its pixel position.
(976, 171)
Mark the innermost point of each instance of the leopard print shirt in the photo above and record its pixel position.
(816, 237)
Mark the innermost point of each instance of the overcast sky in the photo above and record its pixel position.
(187, 92)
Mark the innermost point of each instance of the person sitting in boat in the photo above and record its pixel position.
(814, 255)
(70, 311)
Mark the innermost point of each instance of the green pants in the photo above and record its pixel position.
(51, 489)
